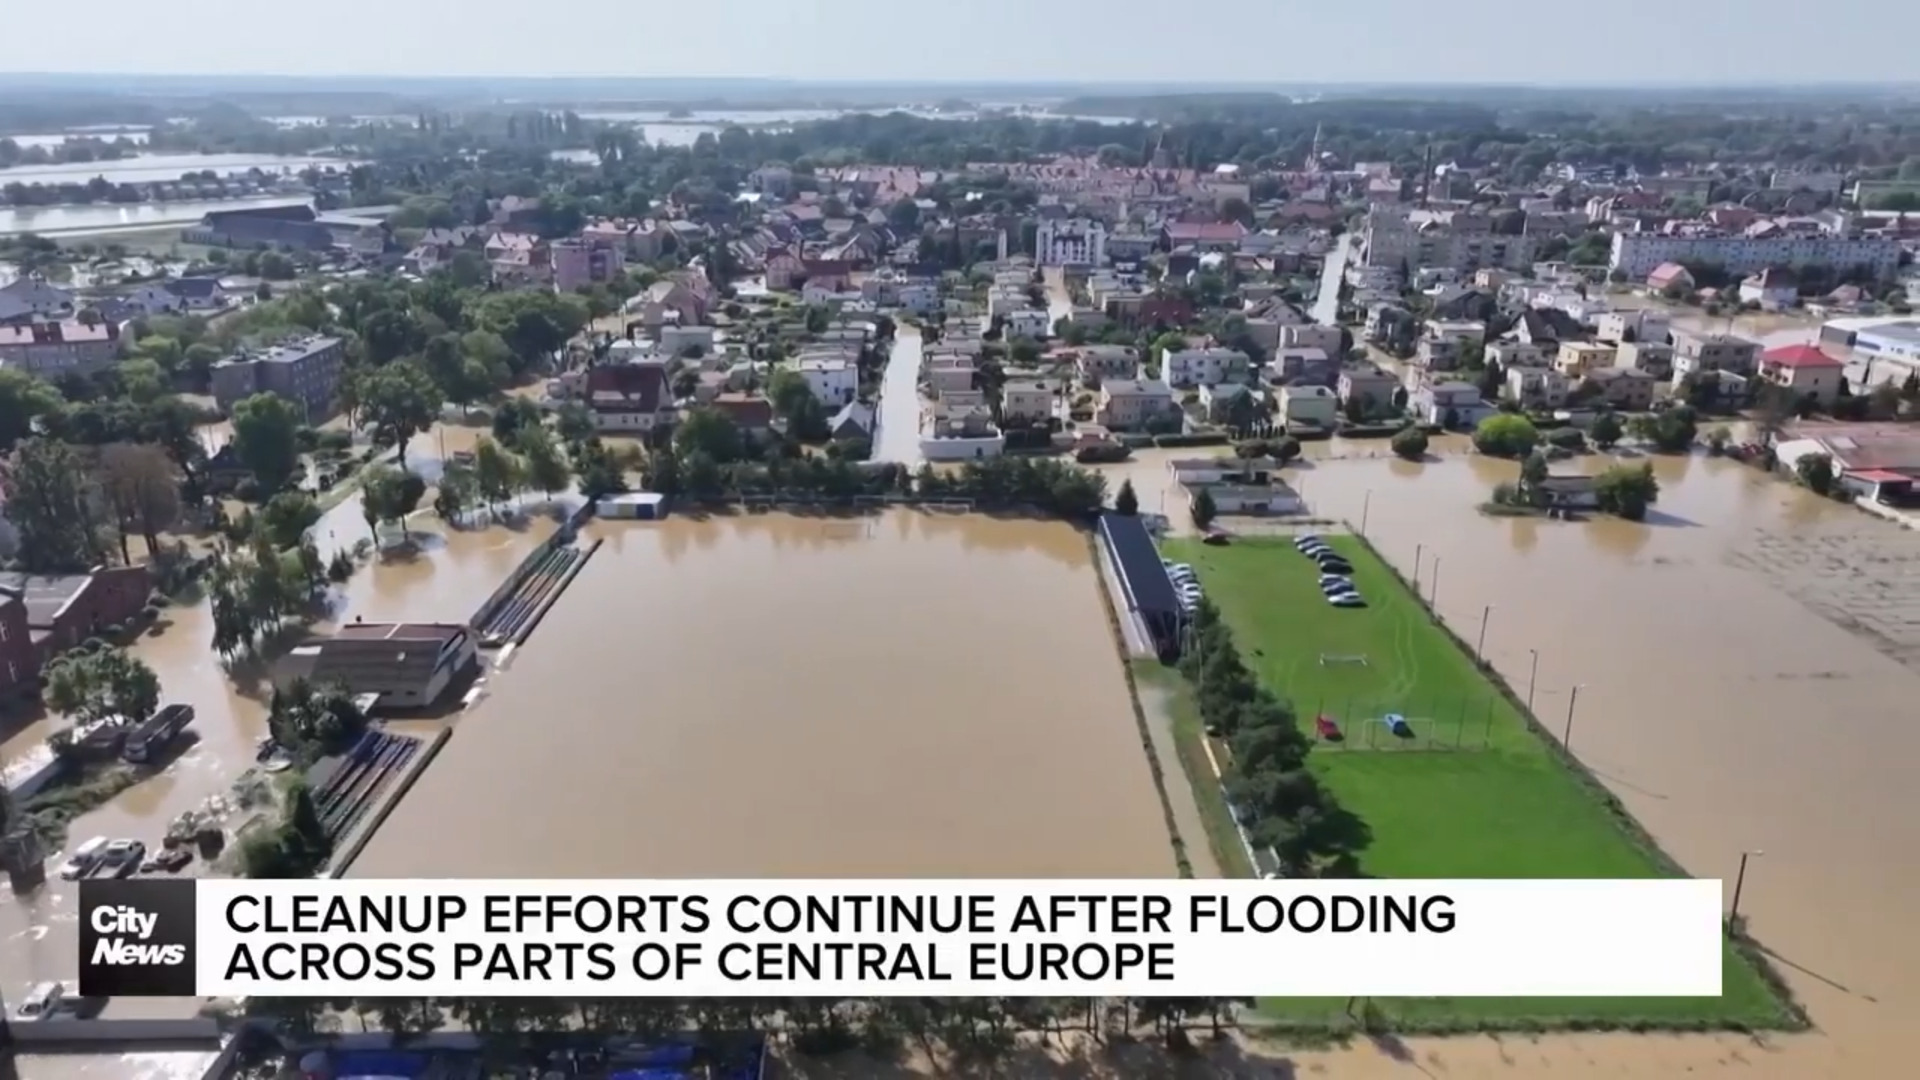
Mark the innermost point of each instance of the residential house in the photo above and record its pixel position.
(637, 240)
(855, 420)
(670, 300)
(1223, 469)
(629, 398)
(1204, 366)
(1033, 323)
(1548, 328)
(406, 665)
(1654, 358)
(1775, 289)
(1312, 336)
(1535, 387)
(53, 349)
(834, 382)
(305, 371)
(518, 258)
(1273, 498)
(1625, 389)
(1718, 391)
(1512, 352)
(581, 263)
(1134, 404)
(1639, 324)
(1304, 366)
(1027, 401)
(1671, 279)
(1369, 384)
(198, 293)
(1576, 358)
(1313, 406)
(1804, 371)
(751, 413)
(31, 299)
(1449, 404)
(1696, 352)
(1221, 402)
(676, 340)
(1565, 492)
(1096, 362)
(1443, 344)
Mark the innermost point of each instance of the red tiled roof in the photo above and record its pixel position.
(1799, 356)
(1206, 230)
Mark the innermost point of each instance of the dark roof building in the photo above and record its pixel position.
(1143, 579)
(408, 665)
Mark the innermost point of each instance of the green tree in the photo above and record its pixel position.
(514, 416)
(1410, 443)
(710, 432)
(455, 491)
(102, 685)
(399, 401)
(496, 472)
(1816, 472)
(1607, 430)
(265, 437)
(140, 486)
(546, 462)
(287, 517)
(53, 501)
(1204, 510)
(389, 494)
(1126, 503)
(1533, 478)
(1506, 435)
(1627, 490)
(24, 398)
(141, 380)
(574, 422)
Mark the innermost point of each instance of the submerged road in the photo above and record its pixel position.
(896, 435)
(1326, 306)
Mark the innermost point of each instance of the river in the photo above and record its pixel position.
(899, 695)
(100, 218)
(897, 428)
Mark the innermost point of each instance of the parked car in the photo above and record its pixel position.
(1304, 540)
(1334, 564)
(168, 861)
(83, 859)
(1335, 579)
(1347, 600)
(120, 859)
(1315, 548)
(1328, 729)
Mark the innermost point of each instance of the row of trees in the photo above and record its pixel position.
(1282, 805)
(256, 587)
(73, 505)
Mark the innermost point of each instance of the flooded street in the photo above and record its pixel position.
(898, 436)
(443, 577)
(1723, 704)
(909, 694)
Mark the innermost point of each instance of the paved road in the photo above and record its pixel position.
(897, 426)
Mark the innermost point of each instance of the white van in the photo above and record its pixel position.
(83, 859)
(41, 1002)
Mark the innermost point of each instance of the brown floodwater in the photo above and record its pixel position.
(1746, 664)
(908, 694)
(442, 576)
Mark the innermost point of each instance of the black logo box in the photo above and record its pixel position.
(171, 902)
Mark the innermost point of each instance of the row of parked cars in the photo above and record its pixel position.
(1336, 573)
(104, 858)
(1185, 583)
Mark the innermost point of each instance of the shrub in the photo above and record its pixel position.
(1410, 443)
(1567, 438)
(1506, 435)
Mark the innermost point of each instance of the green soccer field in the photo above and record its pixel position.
(1473, 793)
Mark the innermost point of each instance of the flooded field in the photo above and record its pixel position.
(900, 695)
(1735, 692)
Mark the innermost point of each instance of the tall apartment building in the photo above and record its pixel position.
(578, 263)
(305, 371)
(1394, 236)
(1637, 254)
(53, 349)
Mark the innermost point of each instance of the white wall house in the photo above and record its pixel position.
(1083, 243)
(834, 382)
(1204, 367)
(1029, 322)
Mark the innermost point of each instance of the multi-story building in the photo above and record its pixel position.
(1535, 387)
(834, 382)
(1803, 370)
(1027, 401)
(1317, 406)
(1576, 358)
(1396, 236)
(1076, 242)
(31, 299)
(1653, 357)
(1204, 366)
(1127, 404)
(1107, 362)
(1370, 385)
(580, 263)
(305, 371)
(1311, 336)
(1694, 353)
(53, 349)
(1637, 254)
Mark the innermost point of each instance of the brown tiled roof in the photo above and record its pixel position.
(627, 387)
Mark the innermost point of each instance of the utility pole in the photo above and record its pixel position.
(1739, 882)
(1480, 647)
(1566, 736)
(1533, 672)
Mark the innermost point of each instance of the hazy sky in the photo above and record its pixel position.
(1275, 41)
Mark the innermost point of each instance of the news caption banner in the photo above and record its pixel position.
(741, 938)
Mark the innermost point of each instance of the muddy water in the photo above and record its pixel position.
(897, 438)
(442, 576)
(908, 694)
(1724, 712)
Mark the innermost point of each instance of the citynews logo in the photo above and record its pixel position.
(136, 938)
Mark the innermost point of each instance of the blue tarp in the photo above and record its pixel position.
(378, 1063)
(651, 1074)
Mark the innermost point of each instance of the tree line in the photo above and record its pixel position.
(1277, 800)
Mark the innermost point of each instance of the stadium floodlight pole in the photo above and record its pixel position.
(1566, 736)
(1533, 672)
(1480, 647)
(1418, 550)
(1433, 590)
(1366, 504)
(1739, 881)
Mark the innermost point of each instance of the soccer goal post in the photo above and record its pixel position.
(1333, 659)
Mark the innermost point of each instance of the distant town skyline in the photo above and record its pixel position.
(1635, 42)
